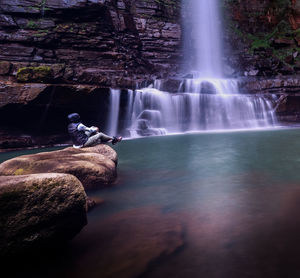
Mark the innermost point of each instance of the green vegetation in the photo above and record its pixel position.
(265, 41)
(41, 33)
(33, 24)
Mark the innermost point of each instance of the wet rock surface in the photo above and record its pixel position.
(39, 210)
(95, 166)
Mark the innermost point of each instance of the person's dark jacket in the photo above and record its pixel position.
(79, 138)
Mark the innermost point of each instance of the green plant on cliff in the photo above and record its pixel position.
(41, 33)
(32, 24)
(34, 74)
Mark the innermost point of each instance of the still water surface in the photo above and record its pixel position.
(236, 197)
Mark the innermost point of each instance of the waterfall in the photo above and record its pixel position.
(114, 102)
(155, 112)
(199, 104)
(202, 28)
(204, 101)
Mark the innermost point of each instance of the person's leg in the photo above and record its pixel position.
(105, 138)
(97, 139)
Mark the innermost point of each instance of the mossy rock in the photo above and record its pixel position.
(40, 210)
(35, 74)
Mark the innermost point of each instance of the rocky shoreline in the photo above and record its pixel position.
(43, 196)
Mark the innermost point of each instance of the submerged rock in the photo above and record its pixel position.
(117, 254)
(93, 202)
(38, 210)
(94, 166)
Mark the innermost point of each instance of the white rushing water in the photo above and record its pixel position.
(155, 112)
(204, 101)
(203, 29)
(113, 117)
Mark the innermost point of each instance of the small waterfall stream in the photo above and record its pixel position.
(112, 125)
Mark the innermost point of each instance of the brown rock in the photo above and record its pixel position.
(94, 166)
(38, 210)
(282, 42)
(19, 93)
(289, 59)
(93, 202)
(4, 67)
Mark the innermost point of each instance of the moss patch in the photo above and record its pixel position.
(34, 74)
(19, 171)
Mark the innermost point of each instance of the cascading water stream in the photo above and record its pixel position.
(114, 112)
(206, 101)
(155, 112)
(202, 27)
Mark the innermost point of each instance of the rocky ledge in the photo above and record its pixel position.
(42, 196)
(95, 166)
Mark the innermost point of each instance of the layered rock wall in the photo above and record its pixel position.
(57, 57)
(103, 42)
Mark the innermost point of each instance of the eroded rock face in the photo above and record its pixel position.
(95, 42)
(38, 210)
(88, 45)
(95, 166)
(18, 93)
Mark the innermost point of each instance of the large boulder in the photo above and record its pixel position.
(38, 210)
(94, 166)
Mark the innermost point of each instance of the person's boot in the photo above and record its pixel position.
(115, 140)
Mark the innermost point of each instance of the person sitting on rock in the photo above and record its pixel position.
(83, 136)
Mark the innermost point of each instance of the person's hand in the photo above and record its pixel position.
(96, 128)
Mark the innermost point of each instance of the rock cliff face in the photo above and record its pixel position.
(103, 42)
(57, 57)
